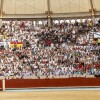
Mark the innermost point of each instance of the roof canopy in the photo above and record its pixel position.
(38, 8)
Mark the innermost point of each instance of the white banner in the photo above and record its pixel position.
(1, 43)
(96, 35)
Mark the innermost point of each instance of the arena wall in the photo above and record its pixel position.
(36, 83)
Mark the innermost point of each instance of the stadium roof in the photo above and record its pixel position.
(40, 8)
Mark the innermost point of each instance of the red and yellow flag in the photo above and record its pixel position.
(16, 44)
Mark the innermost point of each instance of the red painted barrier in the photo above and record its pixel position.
(28, 83)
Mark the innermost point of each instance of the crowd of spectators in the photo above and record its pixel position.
(63, 50)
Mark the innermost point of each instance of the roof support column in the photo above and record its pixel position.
(49, 15)
(1, 8)
(1, 12)
(92, 11)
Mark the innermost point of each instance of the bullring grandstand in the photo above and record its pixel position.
(51, 43)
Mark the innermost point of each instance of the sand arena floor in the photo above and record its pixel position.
(51, 95)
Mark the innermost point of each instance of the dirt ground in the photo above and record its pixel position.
(51, 95)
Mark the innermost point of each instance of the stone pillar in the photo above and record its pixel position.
(69, 21)
(49, 21)
(81, 20)
(93, 20)
(42, 23)
(0, 22)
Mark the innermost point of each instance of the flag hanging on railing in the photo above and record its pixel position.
(16, 44)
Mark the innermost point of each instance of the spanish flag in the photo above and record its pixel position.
(16, 44)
